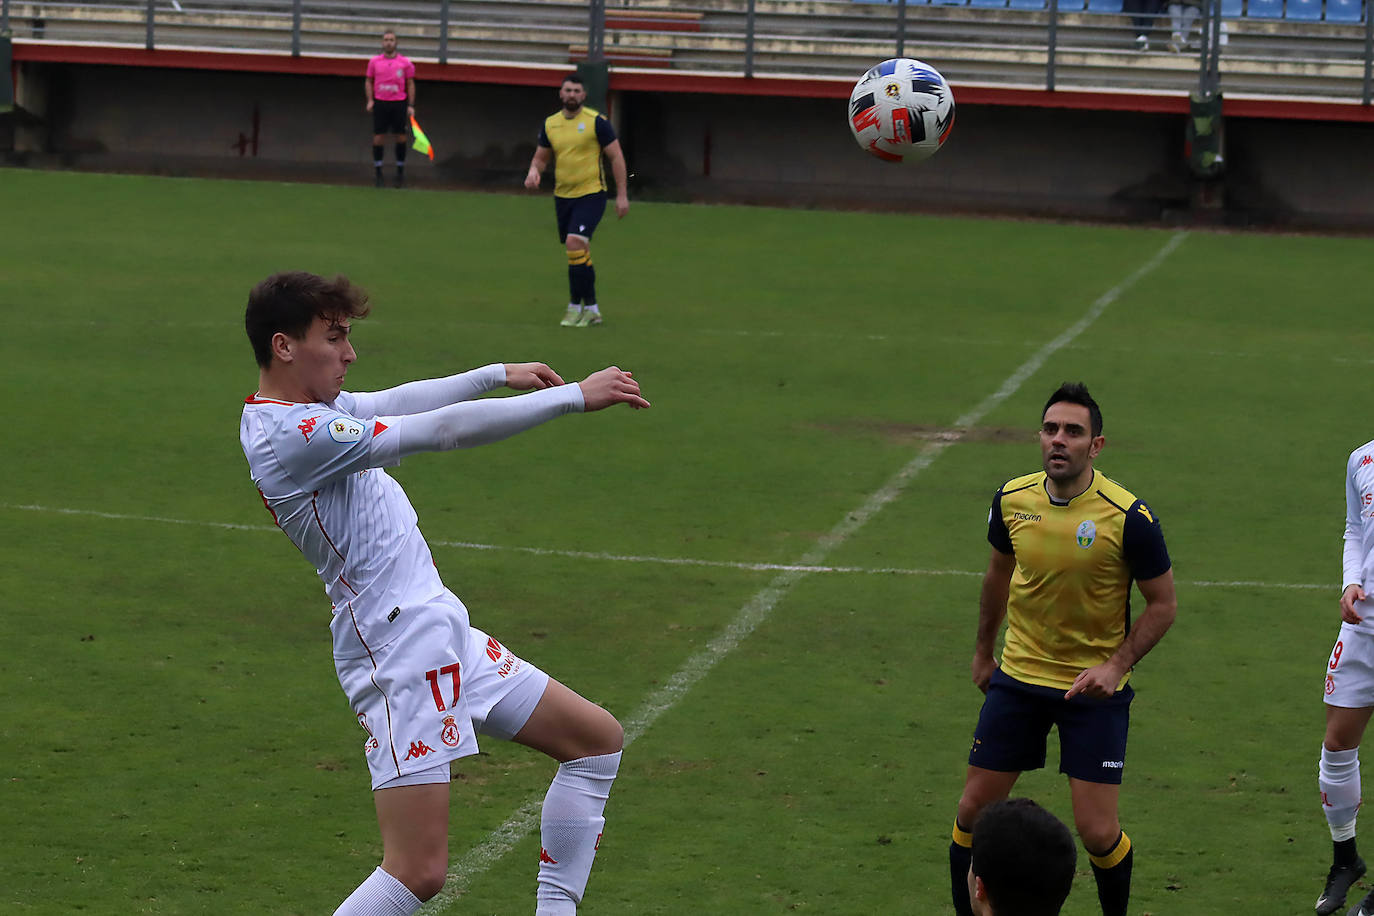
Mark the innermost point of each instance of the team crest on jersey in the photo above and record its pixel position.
(449, 733)
(1087, 533)
(344, 430)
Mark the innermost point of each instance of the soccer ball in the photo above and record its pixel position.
(901, 110)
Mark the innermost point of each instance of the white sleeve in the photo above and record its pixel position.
(428, 394)
(327, 445)
(1352, 553)
(481, 422)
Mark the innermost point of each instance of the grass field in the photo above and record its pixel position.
(770, 577)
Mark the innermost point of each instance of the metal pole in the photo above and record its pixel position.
(443, 32)
(1368, 53)
(1053, 42)
(296, 28)
(749, 42)
(596, 32)
(4, 17)
(1203, 72)
(148, 38)
(901, 28)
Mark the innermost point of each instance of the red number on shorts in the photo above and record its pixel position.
(452, 670)
(1336, 653)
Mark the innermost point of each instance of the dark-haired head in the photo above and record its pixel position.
(1077, 393)
(288, 302)
(1024, 857)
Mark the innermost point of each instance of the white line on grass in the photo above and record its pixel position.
(756, 610)
(607, 557)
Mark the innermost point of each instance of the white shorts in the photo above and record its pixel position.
(1350, 670)
(423, 698)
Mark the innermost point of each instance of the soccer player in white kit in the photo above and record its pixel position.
(422, 680)
(1350, 687)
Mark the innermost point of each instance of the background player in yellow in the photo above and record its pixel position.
(574, 139)
(1067, 543)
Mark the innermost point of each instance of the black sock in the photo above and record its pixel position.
(1343, 854)
(1114, 881)
(960, 858)
(589, 289)
(400, 155)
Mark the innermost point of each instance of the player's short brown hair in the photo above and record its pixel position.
(288, 302)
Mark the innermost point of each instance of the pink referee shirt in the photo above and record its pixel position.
(389, 75)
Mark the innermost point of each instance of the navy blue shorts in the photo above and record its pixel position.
(579, 215)
(1015, 723)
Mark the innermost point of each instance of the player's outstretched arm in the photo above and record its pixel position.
(611, 386)
(530, 376)
(1161, 607)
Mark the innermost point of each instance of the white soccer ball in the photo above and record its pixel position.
(901, 110)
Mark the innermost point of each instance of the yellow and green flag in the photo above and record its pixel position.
(420, 141)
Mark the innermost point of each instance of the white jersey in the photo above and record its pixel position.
(1357, 558)
(319, 468)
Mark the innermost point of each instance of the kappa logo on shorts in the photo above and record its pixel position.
(449, 733)
(545, 857)
(418, 749)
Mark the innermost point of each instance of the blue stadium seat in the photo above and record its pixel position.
(949, 2)
(1344, 11)
(1232, 9)
(1309, 10)
(1035, 5)
(1264, 9)
(1104, 6)
(994, 4)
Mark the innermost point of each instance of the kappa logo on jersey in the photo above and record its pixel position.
(418, 749)
(1086, 534)
(545, 857)
(1366, 460)
(307, 427)
(344, 430)
(449, 733)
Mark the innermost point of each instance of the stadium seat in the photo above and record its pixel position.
(1264, 9)
(1309, 10)
(1034, 5)
(1232, 9)
(1344, 11)
(994, 4)
(1104, 6)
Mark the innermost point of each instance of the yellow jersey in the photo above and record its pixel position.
(1069, 605)
(576, 143)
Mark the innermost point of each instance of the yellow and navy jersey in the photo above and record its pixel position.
(576, 143)
(1069, 606)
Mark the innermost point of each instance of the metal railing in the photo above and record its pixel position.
(1053, 44)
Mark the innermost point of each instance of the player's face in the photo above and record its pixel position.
(572, 95)
(1067, 445)
(323, 356)
(388, 44)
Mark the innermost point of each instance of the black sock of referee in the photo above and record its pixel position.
(1112, 870)
(960, 858)
(377, 155)
(400, 158)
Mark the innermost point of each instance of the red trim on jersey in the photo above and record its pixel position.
(254, 399)
(319, 523)
(380, 428)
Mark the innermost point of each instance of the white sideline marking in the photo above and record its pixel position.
(660, 561)
(756, 610)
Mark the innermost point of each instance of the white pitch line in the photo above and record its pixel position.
(608, 557)
(756, 610)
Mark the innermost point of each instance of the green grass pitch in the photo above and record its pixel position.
(175, 741)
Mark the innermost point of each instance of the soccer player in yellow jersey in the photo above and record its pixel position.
(574, 139)
(1067, 543)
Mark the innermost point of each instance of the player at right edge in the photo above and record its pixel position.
(1349, 688)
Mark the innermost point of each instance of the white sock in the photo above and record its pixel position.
(570, 827)
(592, 308)
(1339, 778)
(380, 895)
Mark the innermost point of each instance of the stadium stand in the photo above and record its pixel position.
(1314, 50)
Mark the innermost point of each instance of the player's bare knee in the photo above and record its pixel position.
(428, 878)
(1099, 835)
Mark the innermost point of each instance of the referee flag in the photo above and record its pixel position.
(420, 142)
